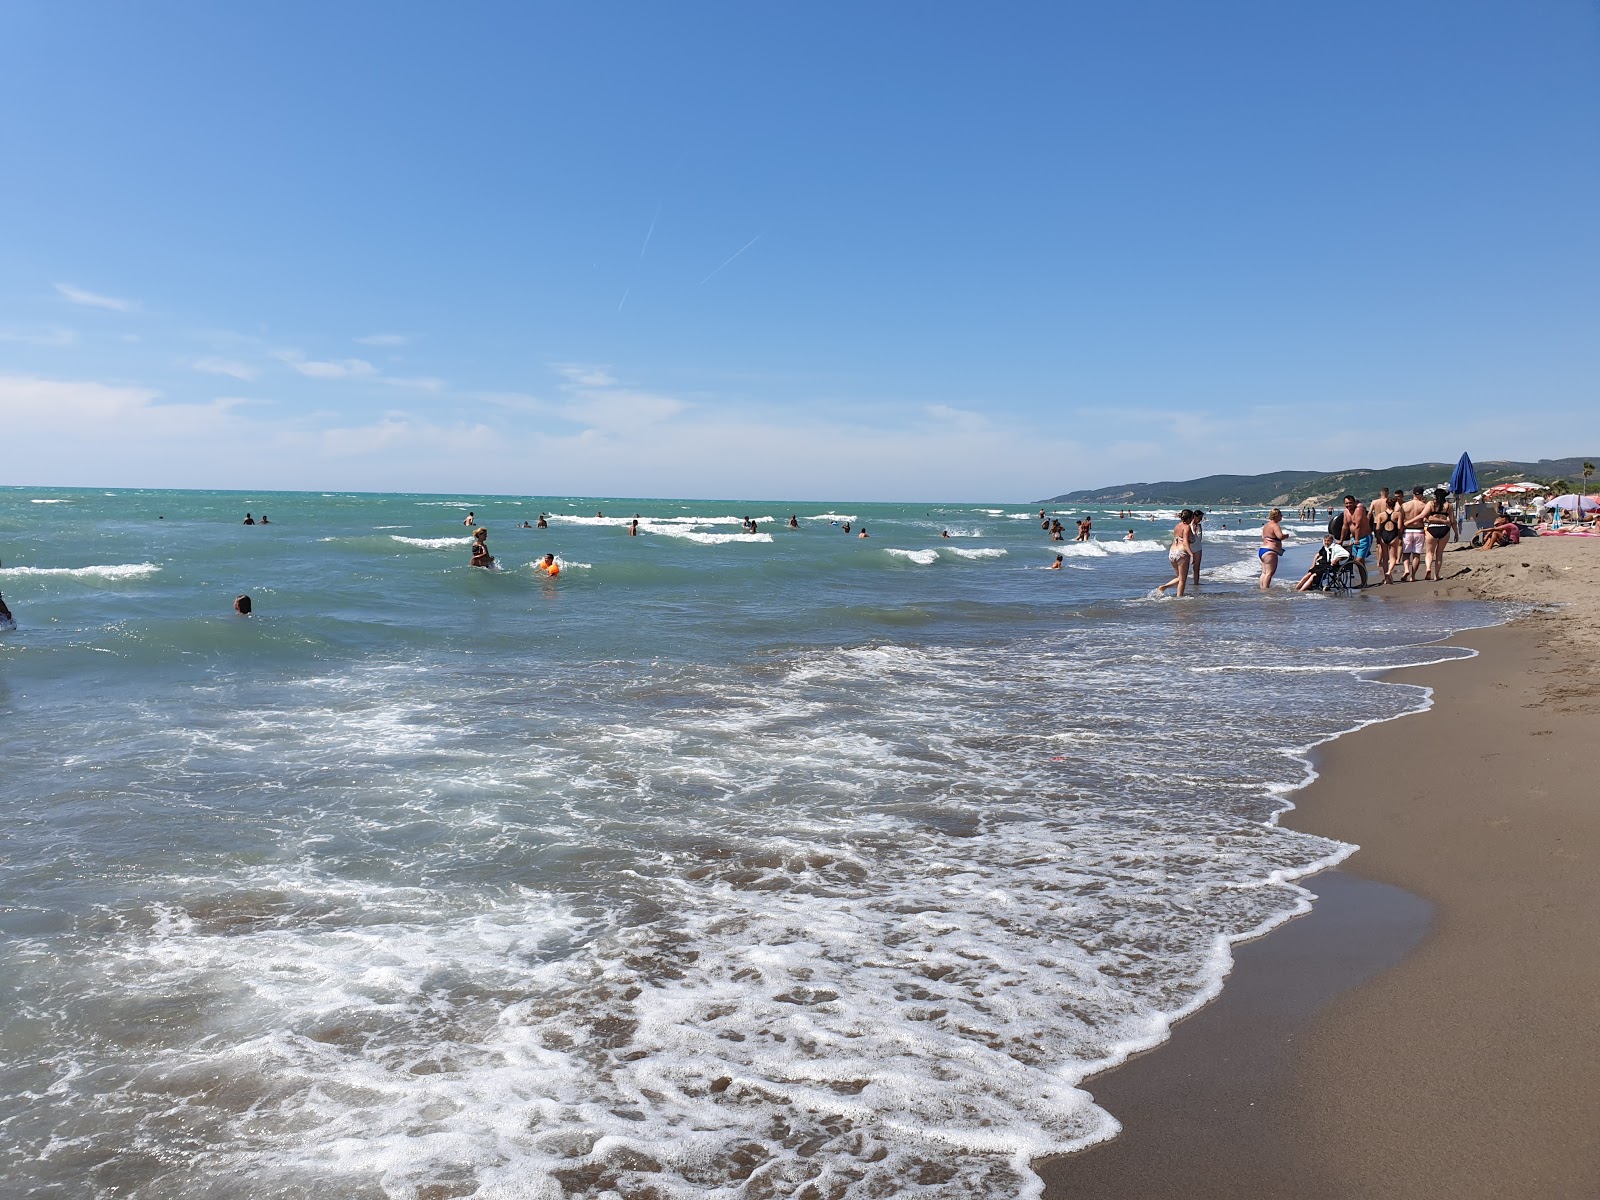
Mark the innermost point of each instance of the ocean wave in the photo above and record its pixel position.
(1106, 549)
(438, 543)
(116, 571)
(976, 552)
(50, 502)
(923, 558)
(832, 516)
(705, 539)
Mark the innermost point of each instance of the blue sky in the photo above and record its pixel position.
(874, 251)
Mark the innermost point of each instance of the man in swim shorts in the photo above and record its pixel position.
(1358, 534)
(1412, 513)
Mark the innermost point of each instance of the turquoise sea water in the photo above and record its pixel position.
(723, 865)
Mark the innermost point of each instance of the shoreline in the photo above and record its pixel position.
(1428, 1030)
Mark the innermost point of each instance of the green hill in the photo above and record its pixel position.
(1318, 487)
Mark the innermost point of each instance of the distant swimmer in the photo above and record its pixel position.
(846, 526)
(1056, 566)
(598, 513)
(633, 527)
(1041, 514)
(471, 520)
(548, 565)
(1131, 537)
(793, 522)
(543, 524)
(524, 525)
(944, 533)
(480, 549)
(249, 520)
(242, 605)
(863, 532)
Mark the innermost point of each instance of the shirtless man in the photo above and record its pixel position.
(1358, 534)
(470, 519)
(1083, 529)
(548, 565)
(1412, 513)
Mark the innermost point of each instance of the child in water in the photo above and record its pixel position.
(548, 565)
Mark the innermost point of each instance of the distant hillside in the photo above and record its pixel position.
(1308, 487)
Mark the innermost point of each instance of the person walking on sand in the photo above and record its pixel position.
(1387, 528)
(1358, 534)
(1412, 512)
(1179, 554)
(1271, 546)
(1195, 535)
(1439, 525)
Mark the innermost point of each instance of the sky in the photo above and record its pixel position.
(920, 251)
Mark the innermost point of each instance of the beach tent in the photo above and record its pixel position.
(1463, 482)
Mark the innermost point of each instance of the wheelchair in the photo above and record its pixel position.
(1339, 577)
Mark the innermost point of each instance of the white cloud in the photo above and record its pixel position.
(585, 376)
(40, 337)
(384, 339)
(93, 299)
(344, 368)
(225, 366)
(423, 383)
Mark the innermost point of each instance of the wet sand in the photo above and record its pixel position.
(1432, 1029)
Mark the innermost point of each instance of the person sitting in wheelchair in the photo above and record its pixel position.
(1326, 564)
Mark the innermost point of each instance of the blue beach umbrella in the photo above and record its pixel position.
(1463, 482)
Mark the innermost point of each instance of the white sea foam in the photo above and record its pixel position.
(1244, 570)
(705, 539)
(975, 552)
(832, 516)
(116, 571)
(438, 543)
(922, 558)
(1105, 549)
(50, 501)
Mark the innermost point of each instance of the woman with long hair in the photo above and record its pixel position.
(1439, 523)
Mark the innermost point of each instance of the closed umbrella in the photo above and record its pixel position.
(1463, 482)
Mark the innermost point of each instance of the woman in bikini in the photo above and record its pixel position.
(480, 548)
(1271, 546)
(1179, 554)
(1439, 523)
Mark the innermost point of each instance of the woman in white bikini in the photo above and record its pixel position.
(1271, 546)
(1179, 554)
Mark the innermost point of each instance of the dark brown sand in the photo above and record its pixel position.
(1336, 1064)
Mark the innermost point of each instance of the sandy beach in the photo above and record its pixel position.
(1430, 1029)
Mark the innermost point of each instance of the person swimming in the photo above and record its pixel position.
(633, 527)
(1056, 566)
(944, 533)
(248, 519)
(543, 524)
(863, 532)
(480, 548)
(470, 519)
(794, 523)
(242, 606)
(264, 520)
(548, 565)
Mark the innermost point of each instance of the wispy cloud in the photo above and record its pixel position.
(384, 339)
(211, 365)
(599, 402)
(422, 383)
(584, 374)
(343, 368)
(94, 299)
(39, 337)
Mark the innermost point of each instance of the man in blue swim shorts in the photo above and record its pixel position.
(1358, 534)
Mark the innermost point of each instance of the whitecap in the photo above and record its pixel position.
(705, 539)
(922, 558)
(116, 571)
(976, 552)
(438, 543)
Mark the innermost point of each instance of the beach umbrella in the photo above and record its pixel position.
(1572, 502)
(1463, 482)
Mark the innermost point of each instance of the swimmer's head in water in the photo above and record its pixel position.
(242, 605)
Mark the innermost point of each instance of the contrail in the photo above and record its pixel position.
(649, 233)
(731, 257)
(624, 299)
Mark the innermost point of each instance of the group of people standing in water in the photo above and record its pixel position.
(1410, 535)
